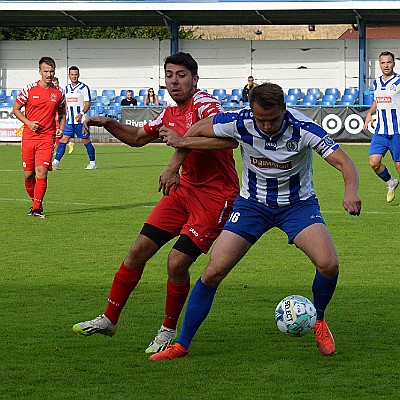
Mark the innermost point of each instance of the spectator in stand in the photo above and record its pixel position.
(246, 90)
(129, 100)
(151, 98)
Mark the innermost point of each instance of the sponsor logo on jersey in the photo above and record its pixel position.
(72, 100)
(383, 99)
(267, 163)
(328, 141)
(36, 97)
(53, 97)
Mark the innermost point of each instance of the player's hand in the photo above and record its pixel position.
(33, 125)
(78, 117)
(352, 204)
(168, 179)
(59, 133)
(170, 137)
(94, 121)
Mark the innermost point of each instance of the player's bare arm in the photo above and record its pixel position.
(61, 113)
(369, 115)
(128, 134)
(341, 161)
(84, 111)
(32, 125)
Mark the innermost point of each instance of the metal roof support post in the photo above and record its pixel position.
(173, 29)
(362, 64)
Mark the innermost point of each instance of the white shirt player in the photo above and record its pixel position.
(277, 171)
(387, 98)
(75, 97)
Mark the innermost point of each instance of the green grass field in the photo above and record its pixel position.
(57, 271)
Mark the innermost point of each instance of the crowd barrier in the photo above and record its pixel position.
(344, 124)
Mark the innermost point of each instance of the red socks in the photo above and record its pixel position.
(39, 191)
(30, 188)
(125, 280)
(176, 298)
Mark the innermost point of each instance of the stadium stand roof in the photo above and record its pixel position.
(15, 13)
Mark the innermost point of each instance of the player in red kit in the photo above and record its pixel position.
(42, 101)
(194, 207)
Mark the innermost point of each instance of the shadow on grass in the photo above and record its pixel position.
(89, 210)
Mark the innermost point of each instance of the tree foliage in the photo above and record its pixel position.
(98, 32)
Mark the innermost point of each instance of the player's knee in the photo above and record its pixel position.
(329, 268)
(375, 165)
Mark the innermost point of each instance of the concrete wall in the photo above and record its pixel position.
(226, 63)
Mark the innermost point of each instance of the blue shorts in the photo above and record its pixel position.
(251, 219)
(380, 144)
(73, 130)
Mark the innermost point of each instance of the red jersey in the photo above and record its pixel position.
(210, 171)
(41, 105)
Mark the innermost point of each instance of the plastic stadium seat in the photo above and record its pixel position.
(161, 92)
(351, 91)
(232, 98)
(245, 104)
(237, 92)
(118, 99)
(2, 94)
(9, 99)
(347, 100)
(104, 100)
(368, 98)
(291, 100)
(230, 105)
(309, 100)
(123, 93)
(14, 93)
(98, 107)
(140, 100)
(328, 100)
(116, 106)
(221, 93)
(93, 112)
(110, 93)
(142, 92)
(296, 92)
(314, 91)
(93, 95)
(334, 91)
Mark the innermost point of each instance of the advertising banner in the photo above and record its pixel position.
(10, 126)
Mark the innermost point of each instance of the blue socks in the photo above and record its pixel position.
(60, 151)
(385, 175)
(90, 150)
(198, 307)
(323, 289)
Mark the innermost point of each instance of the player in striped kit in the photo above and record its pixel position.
(78, 100)
(277, 191)
(387, 135)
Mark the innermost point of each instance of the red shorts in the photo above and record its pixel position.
(193, 213)
(37, 153)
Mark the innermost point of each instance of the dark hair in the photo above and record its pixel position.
(48, 61)
(267, 95)
(184, 59)
(129, 91)
(73, 68)
(386, 53)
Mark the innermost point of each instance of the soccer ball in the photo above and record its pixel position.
(295, 315)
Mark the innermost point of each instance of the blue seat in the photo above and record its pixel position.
(118, 99)
(237, 92)
(104, 100)
(14, 93)
(116, 106)
(309, 100)
(347, 100)
(351, 91)
(291, 100)
(3, 94)
(93, 112)
(333, 91)
(140, 100)
(142, 92)
(314, 91)
(161, 92)
(93, 94)
(328, 100)
(110, 93)
(9, 99)
(229, 104)
(221, 93)
(296, 92)
(233, 98)
(245, 104)
(123, 93)
(368, 98)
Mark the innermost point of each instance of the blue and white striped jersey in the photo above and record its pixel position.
(75, 97)
(277, 171)
(387, 98)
